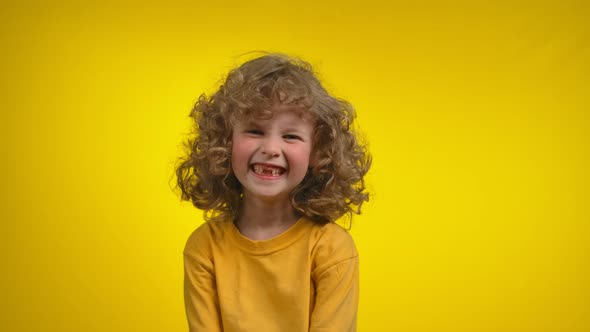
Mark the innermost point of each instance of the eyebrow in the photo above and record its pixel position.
(248, 123)
(293, 129)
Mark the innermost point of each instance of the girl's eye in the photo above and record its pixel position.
(254, 131)
(292, 137)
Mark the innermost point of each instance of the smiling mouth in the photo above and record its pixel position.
(267, 170)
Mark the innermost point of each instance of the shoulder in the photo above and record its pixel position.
(332, 245)
(334, 239)
(204, 237)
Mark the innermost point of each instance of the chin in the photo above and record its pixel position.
(269, 195)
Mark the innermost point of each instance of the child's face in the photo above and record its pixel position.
(270, 157)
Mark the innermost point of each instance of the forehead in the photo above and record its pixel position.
(284, 113)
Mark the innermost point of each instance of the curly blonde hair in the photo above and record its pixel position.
(334, 184)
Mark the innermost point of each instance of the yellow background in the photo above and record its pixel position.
(476, 114)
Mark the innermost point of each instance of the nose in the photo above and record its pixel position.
(271, 147)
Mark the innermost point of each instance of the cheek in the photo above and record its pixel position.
(240, 152)
(302, 156)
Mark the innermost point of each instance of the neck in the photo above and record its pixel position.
(262, 220)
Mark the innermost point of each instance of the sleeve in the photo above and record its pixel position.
(336, 299)
(200, 291)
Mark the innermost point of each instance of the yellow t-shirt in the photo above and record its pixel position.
(305, 279)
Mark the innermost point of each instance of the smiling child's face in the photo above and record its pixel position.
(270, 157)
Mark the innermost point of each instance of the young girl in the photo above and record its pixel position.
(273, 162)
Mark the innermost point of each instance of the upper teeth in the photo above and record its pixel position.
(261, 169)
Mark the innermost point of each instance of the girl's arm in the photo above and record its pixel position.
(200, 293)
(337, 292)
